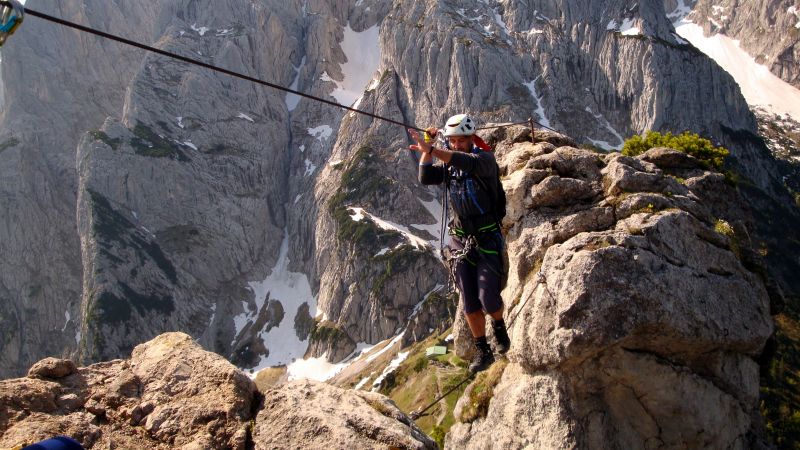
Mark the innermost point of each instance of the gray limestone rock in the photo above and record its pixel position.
(628, 317)
(305, 414)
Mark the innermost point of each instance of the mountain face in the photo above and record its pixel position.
(770, 31)
(142, 195)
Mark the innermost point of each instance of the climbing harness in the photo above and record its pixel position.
(11, 15)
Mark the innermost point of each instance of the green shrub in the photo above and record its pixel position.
(438, 435)
(689, 143)
(482, 392)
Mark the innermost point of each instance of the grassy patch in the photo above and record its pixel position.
(419, 380)
(269, 377)
(724, 228)
(148, 143)
(690, 143)
(396, 261)
(327, 332)
(360, 182)
(112, 226)
(101, 136)
(482, 392)
(780, 379)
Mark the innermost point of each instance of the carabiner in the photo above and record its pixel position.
(11, 15)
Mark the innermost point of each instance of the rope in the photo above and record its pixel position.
(214, 68)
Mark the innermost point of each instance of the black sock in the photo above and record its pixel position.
(481, 343)
(497, 324)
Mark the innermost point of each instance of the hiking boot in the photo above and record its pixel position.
(501, 339)
(483, 357)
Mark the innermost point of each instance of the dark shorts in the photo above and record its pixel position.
(479, 276)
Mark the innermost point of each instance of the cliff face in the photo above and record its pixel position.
(161, 196)
(634, 309)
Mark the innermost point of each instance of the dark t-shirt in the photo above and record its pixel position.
(472, 180)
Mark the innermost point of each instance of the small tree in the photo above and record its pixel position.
(690, 143)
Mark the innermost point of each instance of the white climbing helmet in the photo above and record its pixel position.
(459, 125)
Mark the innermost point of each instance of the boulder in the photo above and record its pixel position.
(52, 368)
(306, 414)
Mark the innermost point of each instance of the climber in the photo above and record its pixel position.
(471, 177)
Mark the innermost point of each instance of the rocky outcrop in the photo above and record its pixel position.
(169, 394)
(634, 308)
(333, 417)
(172, 394)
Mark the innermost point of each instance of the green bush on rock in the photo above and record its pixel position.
(689, 143)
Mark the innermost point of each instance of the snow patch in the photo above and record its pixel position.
(434, 207)
(391, 367)
(320, 369)
(190, 145)
(681, 11)
(321, 133)
(759, 86)
(363, 53)
(383, 251)
(213, 314)
(388, 346)
(293, 99)
(415, 240)
(180, 121)
(543, 120)
(603, 144)
(310, 168)
(200, 30)
(297, 199)
(361, 383)
(627, 28)
(245, 117)
(66, 322)
(358, 215)
(291, 289)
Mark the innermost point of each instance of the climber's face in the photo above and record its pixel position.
(460, 143)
